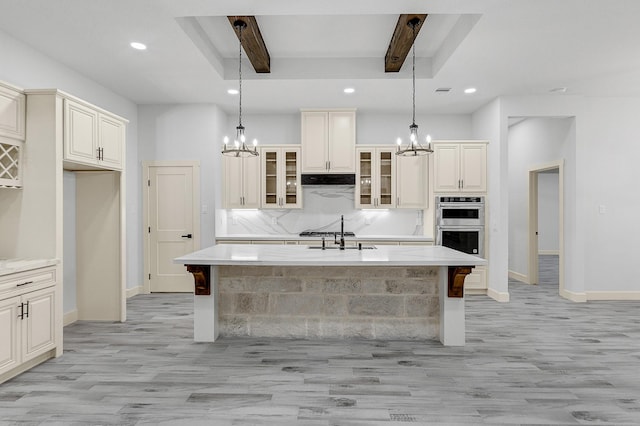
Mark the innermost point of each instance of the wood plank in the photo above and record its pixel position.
(253, 43)
(401, 42)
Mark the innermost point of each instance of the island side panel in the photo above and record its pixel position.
(205, 310)
(397, 302)
(452, 317)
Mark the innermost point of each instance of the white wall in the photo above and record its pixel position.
(608, 175)
(186, 132)
(533, 143)
(599, 170)
(487, 124)
(385, 128)
(25, 67)
(548, 211)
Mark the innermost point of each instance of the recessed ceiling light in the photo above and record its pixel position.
(558, 90)
(470, 90)
(349, 90)
(232, 91)
(138, 46)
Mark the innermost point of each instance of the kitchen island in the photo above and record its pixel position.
(385, 292)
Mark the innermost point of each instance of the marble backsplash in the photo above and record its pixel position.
(322, 207)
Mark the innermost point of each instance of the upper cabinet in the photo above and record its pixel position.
(12, 112)
(412, 182)
(12, 134)
(92, 137)
(375, 178)
(241, 183)
(280, 177)
(460, 167)
(328, 141)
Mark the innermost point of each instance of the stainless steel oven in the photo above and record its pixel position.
(460, 224)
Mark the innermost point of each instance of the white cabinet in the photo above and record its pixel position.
(328, 141)
(10, 334)
(12, 112)
(12, 134)
(241, 182)
(375, 178)
(27, 318)
(460, 167)
(280, 182)
(476, 280)
(92, 137)
(412, 182)
(11, 153)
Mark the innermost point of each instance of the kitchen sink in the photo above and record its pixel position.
(346, 248)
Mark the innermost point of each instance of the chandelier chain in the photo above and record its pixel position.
(240, 75)
(413, 72)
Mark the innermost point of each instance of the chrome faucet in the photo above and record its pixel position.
(341, 232)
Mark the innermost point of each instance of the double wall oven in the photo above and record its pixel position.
(460, 224)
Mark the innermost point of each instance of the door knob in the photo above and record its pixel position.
(187, 236)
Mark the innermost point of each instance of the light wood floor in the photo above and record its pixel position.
(539, 359)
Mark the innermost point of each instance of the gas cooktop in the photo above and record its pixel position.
(325, 234)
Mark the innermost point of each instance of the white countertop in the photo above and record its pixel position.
(301, 255)
(12, 266)
(296, 237)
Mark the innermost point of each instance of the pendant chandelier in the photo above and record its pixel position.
(413, 147)
(239, 147)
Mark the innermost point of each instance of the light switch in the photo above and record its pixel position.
(602, 209)
(205, 209)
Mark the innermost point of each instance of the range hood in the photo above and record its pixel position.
(329, 179)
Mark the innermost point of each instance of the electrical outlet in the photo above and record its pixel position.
(367, 221)
(602, 209)
(274, 220)
(234, 220)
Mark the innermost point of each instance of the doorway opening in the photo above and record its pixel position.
(546, 212)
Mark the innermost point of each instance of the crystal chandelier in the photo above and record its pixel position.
(414, 147)
(239, 147)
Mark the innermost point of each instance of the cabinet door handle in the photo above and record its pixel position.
(25, 283)
(21, 314)
(187, 236)
(398, 201)
(329, 165)
(27, 313)
(98, 153)
(102, 153)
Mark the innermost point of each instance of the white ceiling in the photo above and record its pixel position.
(502, 47)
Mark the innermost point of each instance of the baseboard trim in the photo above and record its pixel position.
(498, 296)
(519, 277)
(573, 296)
(549, 252)
(134, 291)
(70, 317)
(613, 295)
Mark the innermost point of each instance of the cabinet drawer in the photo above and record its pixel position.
(28, 280)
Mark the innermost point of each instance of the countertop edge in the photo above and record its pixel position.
(14, 266)
(295, 237)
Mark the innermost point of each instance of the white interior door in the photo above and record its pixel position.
(173, 225)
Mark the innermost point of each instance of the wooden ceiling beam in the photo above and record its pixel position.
(401, 42)
(252, 43)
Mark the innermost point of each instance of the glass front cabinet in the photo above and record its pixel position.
(375, 178)
(281, 177)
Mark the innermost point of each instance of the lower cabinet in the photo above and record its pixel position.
(27, 319)
(476, 280)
